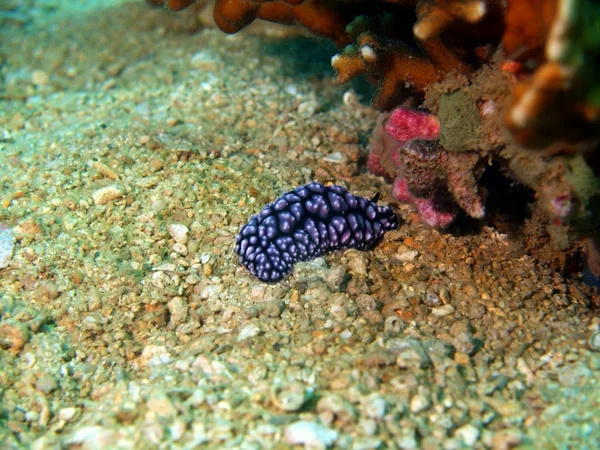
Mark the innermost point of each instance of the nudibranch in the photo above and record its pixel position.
(306, 223)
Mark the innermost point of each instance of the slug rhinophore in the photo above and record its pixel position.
(306, 223)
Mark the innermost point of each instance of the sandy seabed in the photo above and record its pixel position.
(132, 150)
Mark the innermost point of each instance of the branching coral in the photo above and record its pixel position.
(173, 5)
(320, 17)
(400, 68)
(404, 46)
(396, 68)
(560, 100)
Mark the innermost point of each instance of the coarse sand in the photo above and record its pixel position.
(131, 151)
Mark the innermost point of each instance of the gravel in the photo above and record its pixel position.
(132, 152)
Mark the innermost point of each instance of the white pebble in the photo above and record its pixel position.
(374, 406)
(407, 442)
(346, 334)
(419, 403)
(335, 158)
(154, 355)
(179, 232)
(407, 256)
(7, 243)
(308, 108)
(441, 311)
(159, 404)
(469, 434)
(39, 78)
(248, 331)
(180, 248)
(93, 437)
(106, 194)
(257, 291)
(177, 429)
(310, 434)
(210, 290)
(67, 414)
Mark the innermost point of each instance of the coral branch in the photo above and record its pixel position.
(397, 69)
(560, 101)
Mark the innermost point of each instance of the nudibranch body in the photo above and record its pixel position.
(306, 223)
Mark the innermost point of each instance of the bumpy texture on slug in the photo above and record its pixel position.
(306, 223)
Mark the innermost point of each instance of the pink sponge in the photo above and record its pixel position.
(408, 124)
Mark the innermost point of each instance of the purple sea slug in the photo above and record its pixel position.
(306, 223)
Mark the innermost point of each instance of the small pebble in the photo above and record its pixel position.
(178, 309)
(155, 164)
(310, 434)
(358, 265)
(249, 331)
(104, 170)
(468, 433)
(289, 397)
(154, 355)
(594, 341)
(7, 243)
(67, 414)
(180, 248)
(441, 311)
(179, 232)
(335, 158)
(39, 78)
(373, 406)
(507, 439)
(366, 443)
(308, 108)
(50, 290)
(335, 277)
(333, 407)
(91, 437)
(106, 194)
(161, 405)
(46, 384)
(407, 256)
(419, 403)
(13, 334)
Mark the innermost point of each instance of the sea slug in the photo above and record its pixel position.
(306, 223)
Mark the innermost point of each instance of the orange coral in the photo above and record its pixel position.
(558, 101)
(551, 107)
(527, 27)
(404, 46)
(394, 67)
(321, 18)
(447, 40)
(173, 5)
(435, 16)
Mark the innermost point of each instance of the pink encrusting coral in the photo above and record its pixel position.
(406, 149)
(431, 213)
(407, 124)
